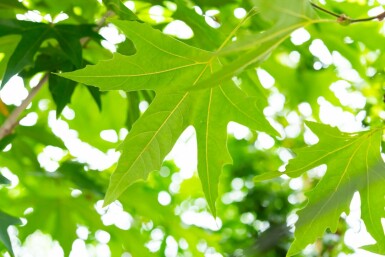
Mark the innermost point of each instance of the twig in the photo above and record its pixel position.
(346, 20)
(13, 119)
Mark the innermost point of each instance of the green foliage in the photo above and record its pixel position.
(6, 221)
(107, 75)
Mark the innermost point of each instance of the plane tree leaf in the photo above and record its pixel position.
(354, 164)
(174, 67)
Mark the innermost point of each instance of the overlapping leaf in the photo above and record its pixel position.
(354, 164)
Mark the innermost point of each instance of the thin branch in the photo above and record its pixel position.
(13, 119)
(344, 19)
(324, 10)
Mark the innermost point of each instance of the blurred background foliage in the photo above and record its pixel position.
(51, 191)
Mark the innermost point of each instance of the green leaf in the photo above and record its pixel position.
(4, 180)
(174, 67)
(7, 46)
(61, 91)
(6, 141)
(354, 164)
(95, 93)
(120, 9)
(6, 221)
(12, 4)
(34, 34)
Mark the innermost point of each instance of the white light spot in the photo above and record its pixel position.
(247, 218)
(29, 120)
(210, 20)
(309, 137)
(201, 219)
(156, 13)
(68, 113)
(50, 156)
(299, 36)
(14, 91)
(239, 131)
(143, 105)
(296, 183)
(43, 104)
(351, 99)
(319, 50)
(240, 13)
(265, 78)
(198, 10)
(264, 141)
(178, 29)
(35, 80)
(76, 193)
(376, 11)
(237, 183)
(60, 17)
(276, 102)
(171, 247)
(112, 37)
(130, 5)
(82, 232)
(109, 135)
(123, 132)
(184, 155)
(34, 16)
(102, 236)
(305, 109)
(164, 198)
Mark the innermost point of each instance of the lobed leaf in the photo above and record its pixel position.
(354, 164)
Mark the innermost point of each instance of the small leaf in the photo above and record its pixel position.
(6, 141)
(61, 90)
(6, 221)
(95, 93)
(4, 180)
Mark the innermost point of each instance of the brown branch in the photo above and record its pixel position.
(346, 20)
(13, 119)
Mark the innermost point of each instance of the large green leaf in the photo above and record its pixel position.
(6, 221)
(164, 64)
(354, 164)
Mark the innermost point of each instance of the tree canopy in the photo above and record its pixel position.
(191, 128)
